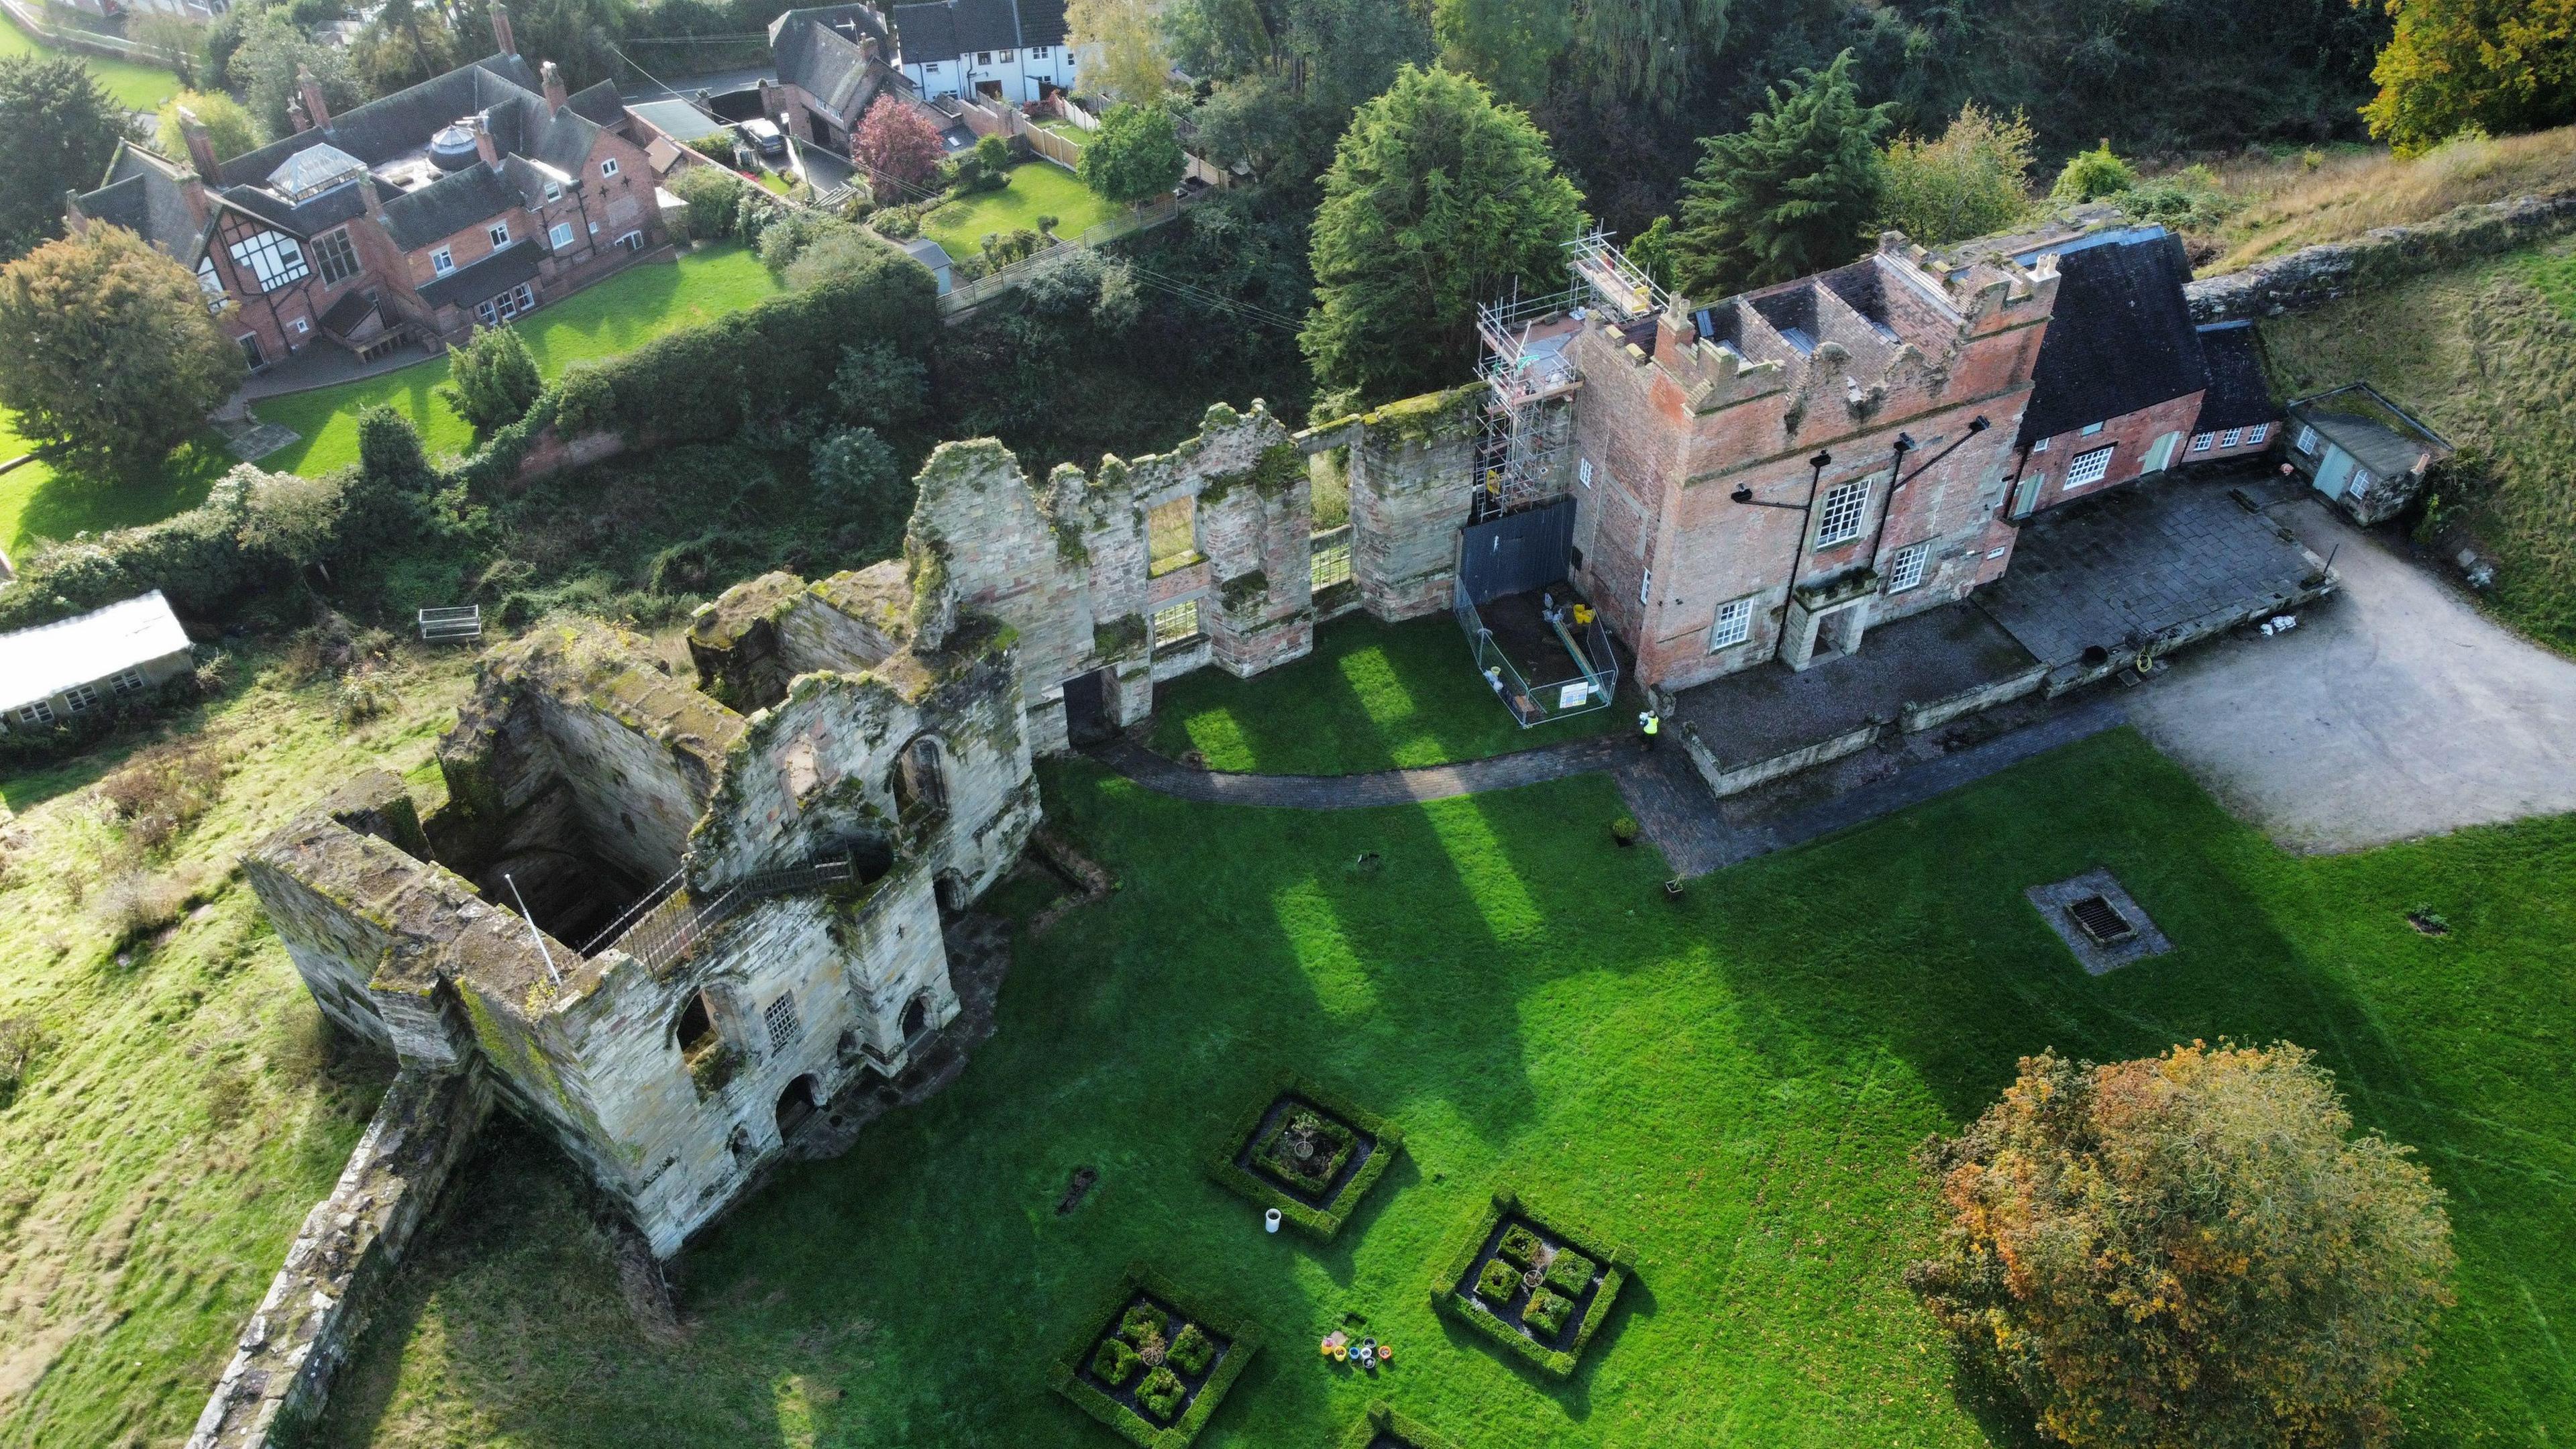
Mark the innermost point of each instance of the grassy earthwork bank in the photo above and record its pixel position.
(1371, 697)
(2487, 355)
(135, 87)
(1038, 188)
(1731, 1084)
(185, 1104)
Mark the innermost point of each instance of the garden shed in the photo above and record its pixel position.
(54, 671)
(2363, 451)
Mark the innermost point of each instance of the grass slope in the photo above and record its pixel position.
(189, 1106)
(1038, 188)
(2487, 355)
(624, 312)
(135, 87)
(2351, 190)
(1370, 697)
(1733, 1084)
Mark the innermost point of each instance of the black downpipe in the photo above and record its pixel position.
(1797, 555)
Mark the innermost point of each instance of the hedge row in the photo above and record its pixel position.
(1384, 1418)
(1066, 1372)
(197, 559)
(1470, 1311)
(1322, 1222)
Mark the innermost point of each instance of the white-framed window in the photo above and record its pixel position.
(2361, 480)
(2307, 442)
(983, 57)
(2040, 447)
(499, 232)
(336, 257)
(210, 283)
(1583, 471)
(608, 167)
(2090, 429)
(272, 259)
(2260, 432)
(126, 681)
(506, 306)
(80, 697)
(2090, 468)
(442, 262)
(559, 235)
(301, 326)
(39, 713)
(1008, 57)
(931, 69)
(2200, 442)
(633, 241)
(1733, 625)
(1645, 587)
(1905, 571)
(554, 191)
(2228, 439)
(1040, 52)
(780, 1017)
(1838, 519)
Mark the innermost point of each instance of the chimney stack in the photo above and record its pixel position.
(484, 145)
(317, 112)
(501, 35)
(556, 94)
(201, 147)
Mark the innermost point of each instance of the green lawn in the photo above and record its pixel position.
(1732, 1084)
(1370, 697)
(1038, 188)
(36, 502)
(1066, 129)
(135, 87)
(629, 309)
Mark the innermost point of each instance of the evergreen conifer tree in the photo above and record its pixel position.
(1793, 193)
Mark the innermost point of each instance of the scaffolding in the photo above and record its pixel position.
(1530, 375)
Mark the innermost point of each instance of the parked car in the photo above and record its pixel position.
(765, 137)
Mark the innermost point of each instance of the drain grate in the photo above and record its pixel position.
(2101, 920)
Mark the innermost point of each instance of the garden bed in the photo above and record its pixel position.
(1310, 1153)
(1530, 1282)
(1384, 1427)
(1151, 1367)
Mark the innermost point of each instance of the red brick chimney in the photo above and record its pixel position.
(201, 147)
(317, 112)
(501, 35)
(484, 145)
(557, 95)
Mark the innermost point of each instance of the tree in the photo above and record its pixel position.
(290, 516)
(853, 468)
(227, 125)
(2498, 65)
(711, 198)
(2190, 1250)
(1651, 251)
(175, 41)
(1120, 48)
(107, 352)
(1647, 52)
(1437, 199)
(1511, 45)
(405, 42)
(1973, 181)
(1219, 38)
(62, 131)
(1134, 156)
(265, 72)
(2090, 176)
(879, 386)
(492, 382)
(1793, 193)
(898, 148)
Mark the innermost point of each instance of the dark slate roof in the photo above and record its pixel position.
(842, 18)
(2121, 339)
(927, 32)
(314, 217)
(401, 123)
(2382, 436)
(447, 206)
(487, 278)
(600, 105)
(829, 65)
(348, 314)
(2238, 396)
(144, 193)
(1042, 22)
(946, 29)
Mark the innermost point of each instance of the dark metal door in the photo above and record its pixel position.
(1086, 709)
(1516, 553)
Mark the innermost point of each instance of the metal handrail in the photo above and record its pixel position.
(665, 932)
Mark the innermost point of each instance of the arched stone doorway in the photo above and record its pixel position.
(796, 1106)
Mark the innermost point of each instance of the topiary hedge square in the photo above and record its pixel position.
(1382, 1422)
(1237, 1165)
(1520, 1245)
(1462, 1285)
(1205, 1351)
(1498, 1282)
(1570, 1273)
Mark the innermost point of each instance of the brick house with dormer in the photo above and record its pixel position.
(468, 199)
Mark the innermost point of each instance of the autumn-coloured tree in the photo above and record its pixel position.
(1119, 49)
(2189, 1250)
(898, 148)
(2496, 65)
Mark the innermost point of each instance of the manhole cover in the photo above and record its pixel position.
(2101, 920)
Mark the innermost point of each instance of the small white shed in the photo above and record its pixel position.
(54, 671)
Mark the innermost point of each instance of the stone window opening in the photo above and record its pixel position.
(1177, 624)
(1842, 512)
(1172, 536)
(919, 788)
(780, 1018)
(948, 888)
(695, 1032)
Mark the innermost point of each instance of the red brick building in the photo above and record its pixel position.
(470, 198)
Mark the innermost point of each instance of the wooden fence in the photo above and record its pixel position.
(966, 295)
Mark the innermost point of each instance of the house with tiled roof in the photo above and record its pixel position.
(470, 198)
(995, 50)
(833, 62)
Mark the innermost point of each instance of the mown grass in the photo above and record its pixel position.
(624, 312)
(2352, 189)
(1038, 188)
(1732, 1084)
(1371, 697)
(135, 87)
(38, 502)
(2486, 354)
(187, 1105)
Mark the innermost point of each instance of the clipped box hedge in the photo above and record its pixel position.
(1383, 1418)
(1065, 1374)
(1325, 1221)
(1468, 1309)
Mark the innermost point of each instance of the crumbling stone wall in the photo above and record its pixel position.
(2313, 276)
(1412, 473)
(341, 1259)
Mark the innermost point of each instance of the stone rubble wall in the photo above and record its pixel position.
(281, 1372)
(2314, 276)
